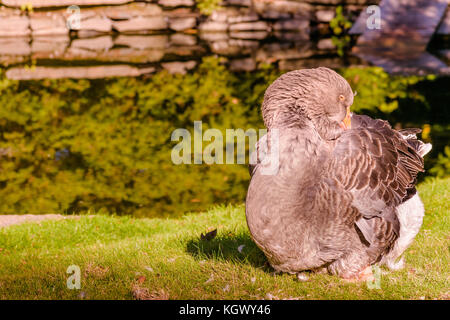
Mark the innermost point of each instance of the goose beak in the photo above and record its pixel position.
(347, 122)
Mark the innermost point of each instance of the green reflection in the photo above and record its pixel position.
(77, 145)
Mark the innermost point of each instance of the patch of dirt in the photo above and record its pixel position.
(8, 220)
(142, 293)
(96, 271)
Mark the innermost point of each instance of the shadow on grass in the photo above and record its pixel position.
(226, 248)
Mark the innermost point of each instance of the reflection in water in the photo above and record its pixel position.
(133, 55)
(76, 145)
(130, 55)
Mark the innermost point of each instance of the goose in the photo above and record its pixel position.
(342, 183)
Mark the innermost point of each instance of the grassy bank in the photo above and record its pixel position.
(126, 258)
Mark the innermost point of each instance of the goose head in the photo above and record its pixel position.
(318, 99)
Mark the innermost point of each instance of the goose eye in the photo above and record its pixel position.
(341, 97)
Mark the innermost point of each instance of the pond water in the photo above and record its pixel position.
(74, 145)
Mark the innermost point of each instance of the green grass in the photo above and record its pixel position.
(120, 257)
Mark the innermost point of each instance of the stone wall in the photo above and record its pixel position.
(256, 18)
(129, 38)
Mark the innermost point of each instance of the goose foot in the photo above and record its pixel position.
(363, 276)
(394, 266)
(302, 277)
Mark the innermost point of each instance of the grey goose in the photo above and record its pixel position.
(334, 199)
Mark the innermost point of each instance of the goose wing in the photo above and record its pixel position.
(378, 166)
(372, 157)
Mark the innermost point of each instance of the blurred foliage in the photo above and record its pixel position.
(74, 145)
(26, 7)
(207, 7)
(377, 90)
(340, 25)
(68, 146)
(442, 166)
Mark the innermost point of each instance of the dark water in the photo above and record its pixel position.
(70, 146)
